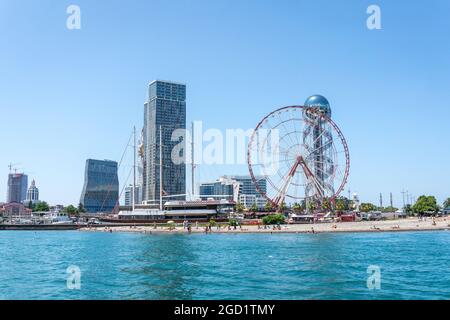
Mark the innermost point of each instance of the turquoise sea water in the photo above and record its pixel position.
(414, 265)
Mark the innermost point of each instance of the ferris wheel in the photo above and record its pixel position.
(298, 154)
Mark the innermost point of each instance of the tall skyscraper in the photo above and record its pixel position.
(32, 193)
(165, 109)
(17, 187)
(101, 186)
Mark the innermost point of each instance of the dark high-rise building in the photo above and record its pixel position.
(17, 187)
(101, 186)
(165, 109)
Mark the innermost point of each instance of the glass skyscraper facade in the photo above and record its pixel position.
(17, 187)
(165, 109)
(101, 186)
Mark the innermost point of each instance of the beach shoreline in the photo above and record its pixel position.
(397, 225)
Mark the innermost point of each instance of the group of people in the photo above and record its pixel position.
(188, 226)
(265, 227)
(208, 228)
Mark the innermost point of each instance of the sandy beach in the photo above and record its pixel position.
(409, 224)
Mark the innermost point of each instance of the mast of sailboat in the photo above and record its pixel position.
(160, 170)
(133, 201)
(192, 162)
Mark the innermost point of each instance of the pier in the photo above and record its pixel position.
(39, 227)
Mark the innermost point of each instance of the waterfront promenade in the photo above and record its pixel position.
(409, 224)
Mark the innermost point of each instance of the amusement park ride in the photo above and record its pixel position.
(301, 153)
(298, 150)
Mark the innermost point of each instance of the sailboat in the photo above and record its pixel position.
(196, 210)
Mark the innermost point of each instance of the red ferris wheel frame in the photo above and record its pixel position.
(323, 117)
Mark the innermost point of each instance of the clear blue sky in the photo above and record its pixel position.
(71, 95)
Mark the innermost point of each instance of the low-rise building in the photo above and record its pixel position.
(250, 200)
(223, 188)
(199, 210)
(15, 210)
(240, 189)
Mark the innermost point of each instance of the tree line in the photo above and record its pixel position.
(43, 206)
(424, 205)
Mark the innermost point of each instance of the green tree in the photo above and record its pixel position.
(274, 219)
(71, 210)
(240, 207)
(297, 207)
(254, 208)
(283, 207)
(312, 206)
(408, 209)
(41, 206)
(390, 209)
(366, 207)
(340, 205)
(326, 204)
(30, 205)
(81, 208)
(268, 207)
(425, 204)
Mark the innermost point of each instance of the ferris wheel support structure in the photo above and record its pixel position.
(312, 156)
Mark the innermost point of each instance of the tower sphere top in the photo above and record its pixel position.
(320, 102)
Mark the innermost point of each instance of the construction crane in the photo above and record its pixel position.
(12, 166)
